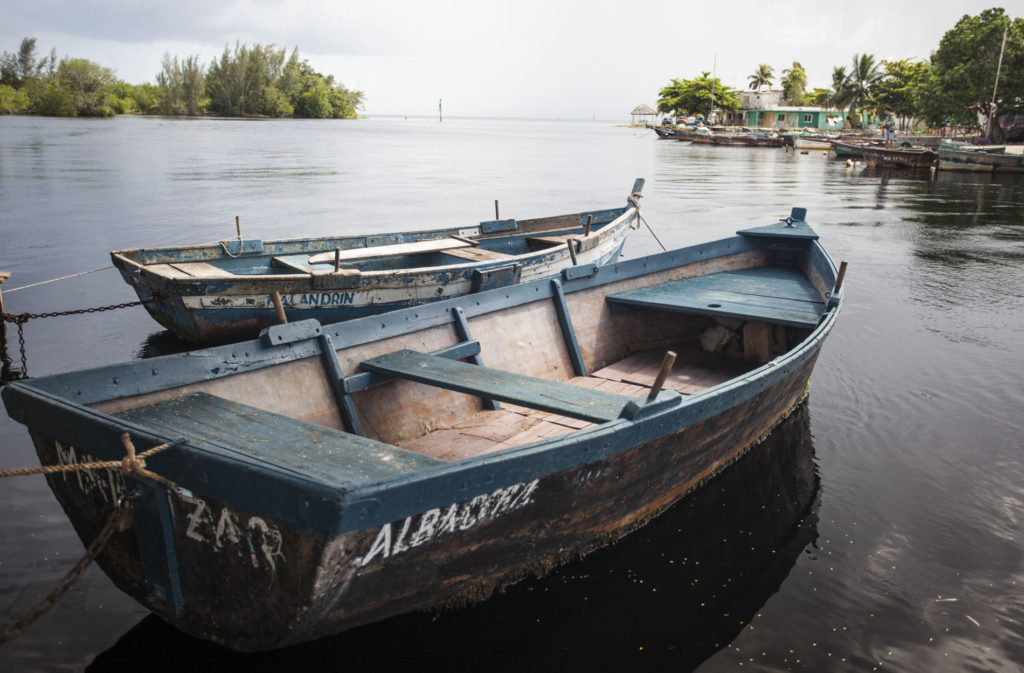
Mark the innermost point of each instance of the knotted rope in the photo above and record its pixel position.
(634, 198)
(120, 520)
(132, 464)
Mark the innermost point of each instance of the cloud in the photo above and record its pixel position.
(545, 58)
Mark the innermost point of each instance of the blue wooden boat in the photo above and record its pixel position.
(323, 477)
(900, 157)
(979, 158)
(226, 291)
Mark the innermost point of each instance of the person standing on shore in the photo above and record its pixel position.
(889, 125)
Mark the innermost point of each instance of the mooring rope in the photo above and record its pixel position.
(132, 464)
(635, 200)
(54, 280)
(120, 519)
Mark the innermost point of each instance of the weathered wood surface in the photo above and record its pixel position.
(500, 385)
(770, 294)
(477, 254)
(416, 247)
(900, 158)
(337, 458)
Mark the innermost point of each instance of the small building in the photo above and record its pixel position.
(643, 114)
(793, 117)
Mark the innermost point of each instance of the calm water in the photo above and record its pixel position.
(880, 527)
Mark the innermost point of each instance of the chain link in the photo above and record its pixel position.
(20, 319)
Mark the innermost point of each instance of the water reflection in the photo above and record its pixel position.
(685, 585)
(163, 342)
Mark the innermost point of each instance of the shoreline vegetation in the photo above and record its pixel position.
(977, 67)
(258, 81)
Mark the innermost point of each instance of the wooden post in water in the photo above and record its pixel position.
(275, 296)
(5, 360)
(666, 368)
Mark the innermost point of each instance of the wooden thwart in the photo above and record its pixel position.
(416, 247)
(560, 398)
(185, 270)
(776, 295)
(212, 422)
(476, 254)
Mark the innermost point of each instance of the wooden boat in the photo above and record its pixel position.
(811, 142)
(847, 150)
(979, 158)
(746, 140)
(319, 478)
(665, 132)
(901, 157)
(700, 135)
(224, 291)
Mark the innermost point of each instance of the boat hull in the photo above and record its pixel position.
(224, 306)
(241, 309)
(806, 144)
(979, 161)
(308, 584)
(900, 158)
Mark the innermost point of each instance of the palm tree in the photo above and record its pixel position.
(794, 83)
(860, 85)
(839, 93)
(763, 76)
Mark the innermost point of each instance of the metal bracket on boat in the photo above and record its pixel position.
(579, 271)
(494, 226)
(278, 335)
(795, 215)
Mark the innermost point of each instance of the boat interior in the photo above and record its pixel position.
(494, 240)
(506, 378)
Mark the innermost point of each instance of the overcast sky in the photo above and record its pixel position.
(519, 58)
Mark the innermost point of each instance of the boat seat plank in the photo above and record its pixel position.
(323, 454)
(185, 270)
(777, 295)
(413, 248)
(550, 241)
(298, 262)
(476, 254)
(559, 398)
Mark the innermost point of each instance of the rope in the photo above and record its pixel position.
(224, 244)
(132, 464)
(635, 200)
(54, 280)
(120, 519)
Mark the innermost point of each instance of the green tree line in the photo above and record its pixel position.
(945, 90)
(260, 80)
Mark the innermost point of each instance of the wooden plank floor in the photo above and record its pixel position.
(488, 431)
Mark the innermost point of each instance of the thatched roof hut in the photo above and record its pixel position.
(641, 113)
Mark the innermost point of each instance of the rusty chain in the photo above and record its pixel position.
(19, 319)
